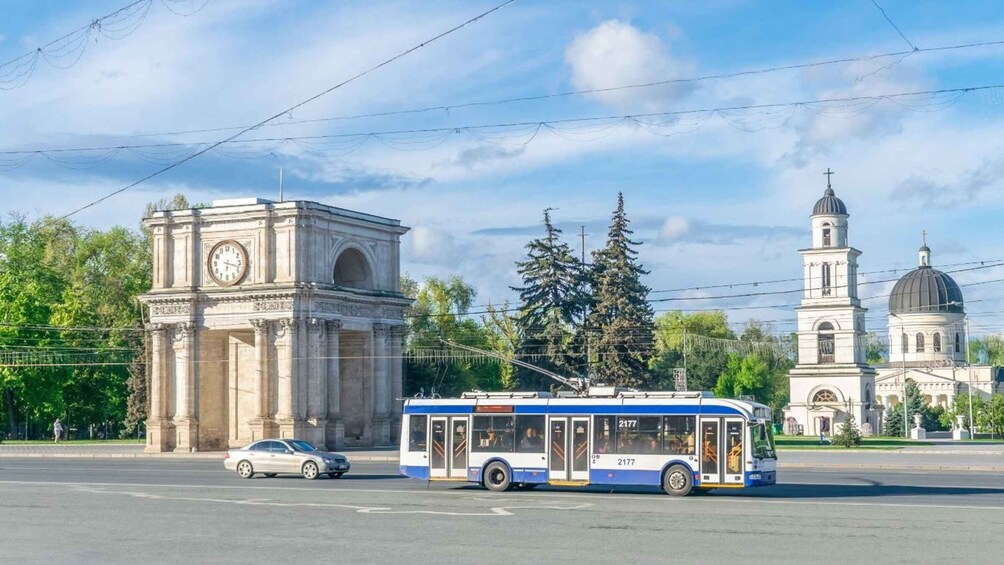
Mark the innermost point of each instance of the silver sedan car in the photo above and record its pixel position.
(273, 456)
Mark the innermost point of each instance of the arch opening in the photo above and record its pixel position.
(353, 270)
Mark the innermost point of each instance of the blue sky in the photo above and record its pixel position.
(715, 201)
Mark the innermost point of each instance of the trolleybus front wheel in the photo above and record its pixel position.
(497, 477)
(678, 481)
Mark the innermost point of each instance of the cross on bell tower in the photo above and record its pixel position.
(828, 174)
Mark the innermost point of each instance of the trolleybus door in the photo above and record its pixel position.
(458, 447)
(568, 449)
(734, 452)
(448, 448)
(711, 450)
(439, 451)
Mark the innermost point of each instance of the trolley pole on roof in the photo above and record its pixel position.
(578, 384)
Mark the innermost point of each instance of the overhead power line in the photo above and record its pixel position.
(291, 108)
(527, 131)
(666, 82)
(895, 27)
(66, 51)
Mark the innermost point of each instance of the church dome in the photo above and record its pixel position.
(829, 204)
(925, 290)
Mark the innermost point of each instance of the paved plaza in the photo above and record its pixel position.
(101, 510)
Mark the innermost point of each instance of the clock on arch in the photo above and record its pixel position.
(227, 262)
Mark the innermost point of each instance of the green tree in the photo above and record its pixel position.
(503, 339)
(960, 407)
(748, 375)
(440, 312)
(672, 349)
(848, 435)
(876, 350)
(988, 350)
(991, 416)
(893, 421)
(552, 302)
(33, 264)
(621, 319)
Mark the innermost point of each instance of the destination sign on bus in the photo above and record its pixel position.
(494, 408)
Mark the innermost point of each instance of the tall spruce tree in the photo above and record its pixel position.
(620, 322)
(551, 305)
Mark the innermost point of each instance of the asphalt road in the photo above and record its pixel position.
(176, 511)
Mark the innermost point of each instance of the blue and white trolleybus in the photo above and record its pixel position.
(679, 441)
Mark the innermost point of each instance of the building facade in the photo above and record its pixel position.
(274, 319)
(832, 379)
(927, 335)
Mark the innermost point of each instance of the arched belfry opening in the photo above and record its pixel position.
(353, 270)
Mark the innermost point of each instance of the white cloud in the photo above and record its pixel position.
(616, 53)
(673, 228)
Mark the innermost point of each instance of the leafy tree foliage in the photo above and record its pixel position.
(987, 350)
(621, 319)
(876, 350)
(892, 424)
(65, 288)
(848, 435)
(440, 312)
(746, 376)
(704, 365)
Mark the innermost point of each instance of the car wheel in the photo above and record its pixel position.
(678, 481)
(310, 470)
(335, 475)
(245, 470)
(497, 477)
(271, 475)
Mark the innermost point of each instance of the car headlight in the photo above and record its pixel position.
(329, 461)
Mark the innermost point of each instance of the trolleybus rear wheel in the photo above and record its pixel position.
(678, 481)
(497, 477)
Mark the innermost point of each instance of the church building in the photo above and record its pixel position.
(927, 331)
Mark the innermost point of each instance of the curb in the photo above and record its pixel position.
(883, 467)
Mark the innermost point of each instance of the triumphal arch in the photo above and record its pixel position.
(274, 319)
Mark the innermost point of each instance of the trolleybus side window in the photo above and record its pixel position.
(417, 441)
(680, 437)
(649, 438)
(493, 433)
(530, 434)
(605, 434)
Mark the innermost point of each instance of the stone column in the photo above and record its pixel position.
(336, 427)
(286, 342)
(260, 422)
(396, 378)
(381, 385)
(157, 432)
(316, 385)
(185, 420)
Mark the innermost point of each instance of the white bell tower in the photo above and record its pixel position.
(832, 379)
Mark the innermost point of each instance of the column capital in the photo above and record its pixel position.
(381, 330)
(334, 325)
(154, 328)
(287, 325)
(184, 330)
(315, 325)
(259, 324)
(398, 331)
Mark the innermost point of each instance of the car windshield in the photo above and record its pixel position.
(302, 445)
(763, 440)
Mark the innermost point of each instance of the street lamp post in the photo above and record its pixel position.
(902, 348)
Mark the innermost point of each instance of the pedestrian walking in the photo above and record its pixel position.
(57, 430)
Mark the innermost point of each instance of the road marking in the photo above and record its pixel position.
(615, 497)
(493, 511)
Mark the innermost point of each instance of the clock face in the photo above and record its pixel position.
(228, 261)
